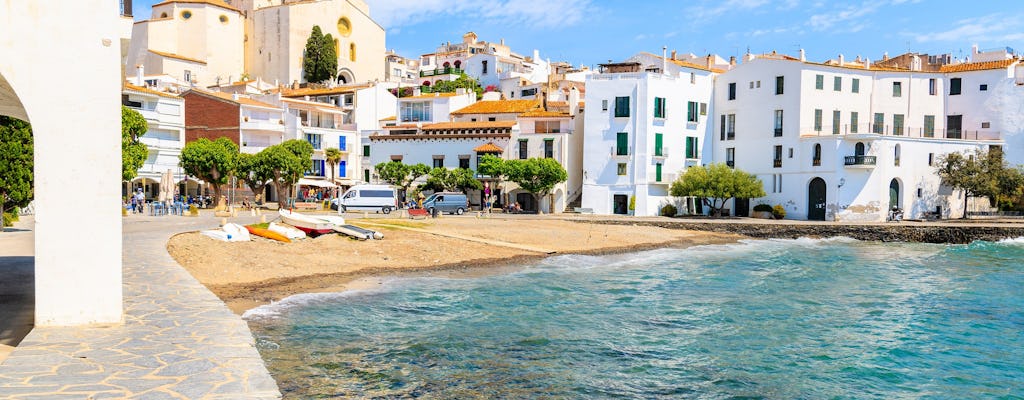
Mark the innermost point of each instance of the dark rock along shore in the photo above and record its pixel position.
(954, 234)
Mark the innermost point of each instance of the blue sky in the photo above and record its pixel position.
(595, 31)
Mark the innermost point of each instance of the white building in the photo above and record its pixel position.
(643, 128)
(487, 62)
(845, 140)
(165, 136)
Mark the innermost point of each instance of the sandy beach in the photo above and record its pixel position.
(246, 275)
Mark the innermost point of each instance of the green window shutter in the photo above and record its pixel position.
(817, 120)
(658, 140)
(853, 122)
(659, 107)
(856, 85)
(622, 144)
(657, 172)
(689, 147)
(696, 148)
(622, 106)
(819, 82)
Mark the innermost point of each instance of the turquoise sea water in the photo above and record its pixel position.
(774, 319)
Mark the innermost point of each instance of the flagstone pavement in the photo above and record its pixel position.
(178, 340)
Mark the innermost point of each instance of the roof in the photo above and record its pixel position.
(499, 107)
(391, 118)
(978, 66)
(325, 106)
(218, 3)
(680, 63)
(429, 96)
(176, 56)
(231, 98)
(469, 125)
(489, 147)
(322, 91)
(128, 86)
(543, 114)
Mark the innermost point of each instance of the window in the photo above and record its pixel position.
(438, 161)
(929, 126)
(528, 92)
(855, 85)
(657, 172)
(223, 19)
(731, 127)
(492, 119)
(954, 124)
(317, 169)
(721, 128)
(691, 111)
(352, 52)
(524, 149)
(659, 107)
(188, 76)
(854, 117)
(622, 144)
(878, 127)
(983, 88)
(659, 140)
(790, 152)
(703, 108)
(954, 86)
(896, 156)
(314, 140)
(778, 123)
(897, 124)
(547, 127)
(780, 83)
(416, 111)
(125, 101)
(342, 145)
(732, 91)
(931, 159)
(366, 175)
(931, 86)
(777, 161)
(751, 84)
(819, 82)
(836, 122)
(817, 120)
(484, 65)
(692, 147)
(464, 162)
(986, 125)
(897, 89)
(621, 169)
(549, 148)
(604, 105)
(837, 84)
(186, 14)
(816, 161)
(730, 157)
(693, 78)
(758, 84)
(621, 107)
(366, 150)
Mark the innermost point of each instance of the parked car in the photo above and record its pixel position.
(447, 202)
(377, 198)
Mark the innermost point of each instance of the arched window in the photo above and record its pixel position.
(223, 19)
(458, 63)
(447, 64)
(858, 150)
(426, 83)
(896, 156)
(484, 63)
(352, 52)
(344, 26)
(817, 155)
(186, 14)
(163, 15)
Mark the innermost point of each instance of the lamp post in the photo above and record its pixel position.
(839, 198)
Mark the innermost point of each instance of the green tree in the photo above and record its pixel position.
(401, 175)
(253, 170)
(537, 176)
(719, 183)
(288, 162)
(16, 163)
(462, 82)
(496, 168)
(450, 180)
(333, 157)
(980, 174)
(211, 161)
(320, 60)
(133, 152)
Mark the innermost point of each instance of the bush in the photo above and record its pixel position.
(763, 208)
(669, 210)
(778, 212)
(10, 217)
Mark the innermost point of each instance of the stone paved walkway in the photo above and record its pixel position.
(179, 341)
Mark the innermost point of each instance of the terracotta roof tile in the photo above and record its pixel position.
(241, 99)
(978, 66)
(469, 125)
(218, 3)
(391, 118)
(489, 147)
(176, 56)
(500, 107)
(542, 114)
(322, 91)
(128, 86)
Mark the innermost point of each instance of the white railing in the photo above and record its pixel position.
(897, 131)
(666, 178)
(662, 152)
(616, 153)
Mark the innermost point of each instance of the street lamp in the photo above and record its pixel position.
(839, 198)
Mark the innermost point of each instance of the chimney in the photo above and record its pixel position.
(536, 56)
(416, 91)
(502, 41)
(915, 63)
(295, 85)
(867, 63)
(842, 60)
(858, 59)
(885, 56)
(803, 55)
(234, 96)
(139, 69)
(974, 52)
(574, 100)
(664, 60)
(732, 61)
(710, 60)
(673, 55)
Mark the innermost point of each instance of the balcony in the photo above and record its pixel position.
(666, 178)
(877, 131)
(860, 161)
(661, 152)
(442, 71)
(777, 163)
(620, 151)
(730, 164)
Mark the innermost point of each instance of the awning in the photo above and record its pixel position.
(347, 182)
(315, 183)
(330, 110)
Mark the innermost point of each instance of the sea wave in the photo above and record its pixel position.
(1014, 241)
(278, 309)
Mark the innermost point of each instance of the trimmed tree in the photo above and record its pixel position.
(980, 174)
(537, 176)
(320, 60)
(717, 183)
(496, 168)
(288, 162)
(400, 175)
(211, 161)
(133, 152)
(333, 157)
(253, 170)
(16, 165)
(450, 180)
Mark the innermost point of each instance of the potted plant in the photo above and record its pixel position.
(632, 205)
(763, 211)
(778, 211)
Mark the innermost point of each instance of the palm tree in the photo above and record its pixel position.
(333, 156)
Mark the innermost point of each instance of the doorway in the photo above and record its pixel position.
(816, 200)
(620, 204)
(527, 202)
(894, 194)
(741, 207)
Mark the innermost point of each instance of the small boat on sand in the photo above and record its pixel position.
(351, 230)
(267, 233)
(311, 225)
(287, 231)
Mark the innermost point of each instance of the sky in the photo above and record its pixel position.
(588, 32)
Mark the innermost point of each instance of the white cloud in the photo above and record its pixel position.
(522, 13)
(713, 9)
(993, 28)
(846, 19)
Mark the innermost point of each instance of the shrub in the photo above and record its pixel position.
(669, 210)
(778, 212)
(10, 217)
(763, 208)
(193, 210)
(632, 203)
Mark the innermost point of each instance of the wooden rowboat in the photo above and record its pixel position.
(311, 225)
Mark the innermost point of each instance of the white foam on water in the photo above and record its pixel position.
(278, 308)
(1014, 241)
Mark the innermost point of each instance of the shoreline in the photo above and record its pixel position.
(245, 296)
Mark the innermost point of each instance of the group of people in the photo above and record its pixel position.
(136, 202)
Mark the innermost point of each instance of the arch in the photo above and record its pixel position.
(858, 149)
(447, 64)
(458, 64)
(345, 75)
(894, 194)
(352, 52)
(816, 199)
(163, 15)
(186, 14)
(426, 83)
(896, 155)
(817, 154)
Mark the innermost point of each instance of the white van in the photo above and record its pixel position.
(368, 198)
